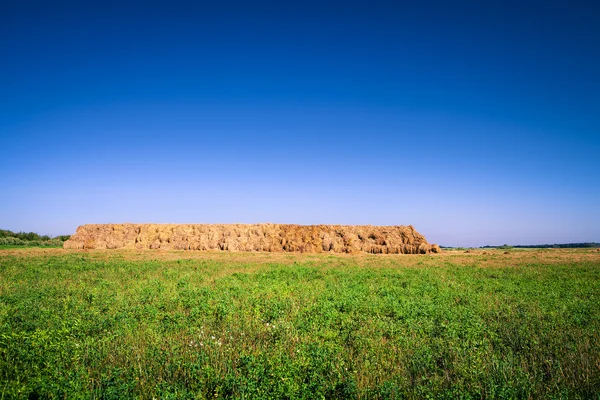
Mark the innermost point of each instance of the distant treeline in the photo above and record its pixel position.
(533, 246)
(10, 238)
(546, 246)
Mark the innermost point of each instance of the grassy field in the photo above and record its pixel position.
(151, 324)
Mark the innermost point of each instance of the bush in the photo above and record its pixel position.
(12, 241)
(8, 238)
(505, 247)
(26, 236)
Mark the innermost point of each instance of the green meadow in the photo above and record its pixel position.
(191, 325)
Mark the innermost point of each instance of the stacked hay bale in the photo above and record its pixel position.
(253, 237)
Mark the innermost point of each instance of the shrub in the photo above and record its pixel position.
(505, 247)
(12, 241)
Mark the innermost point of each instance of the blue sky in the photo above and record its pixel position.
(477, 123)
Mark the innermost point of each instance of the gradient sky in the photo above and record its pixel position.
(476, 122)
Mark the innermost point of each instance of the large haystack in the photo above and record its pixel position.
(254, 237)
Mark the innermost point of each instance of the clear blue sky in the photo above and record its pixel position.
(477, 122)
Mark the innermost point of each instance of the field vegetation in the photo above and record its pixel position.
(9, 239)
(177, 324)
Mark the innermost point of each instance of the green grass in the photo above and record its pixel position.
(112, 326)
(44, 245)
